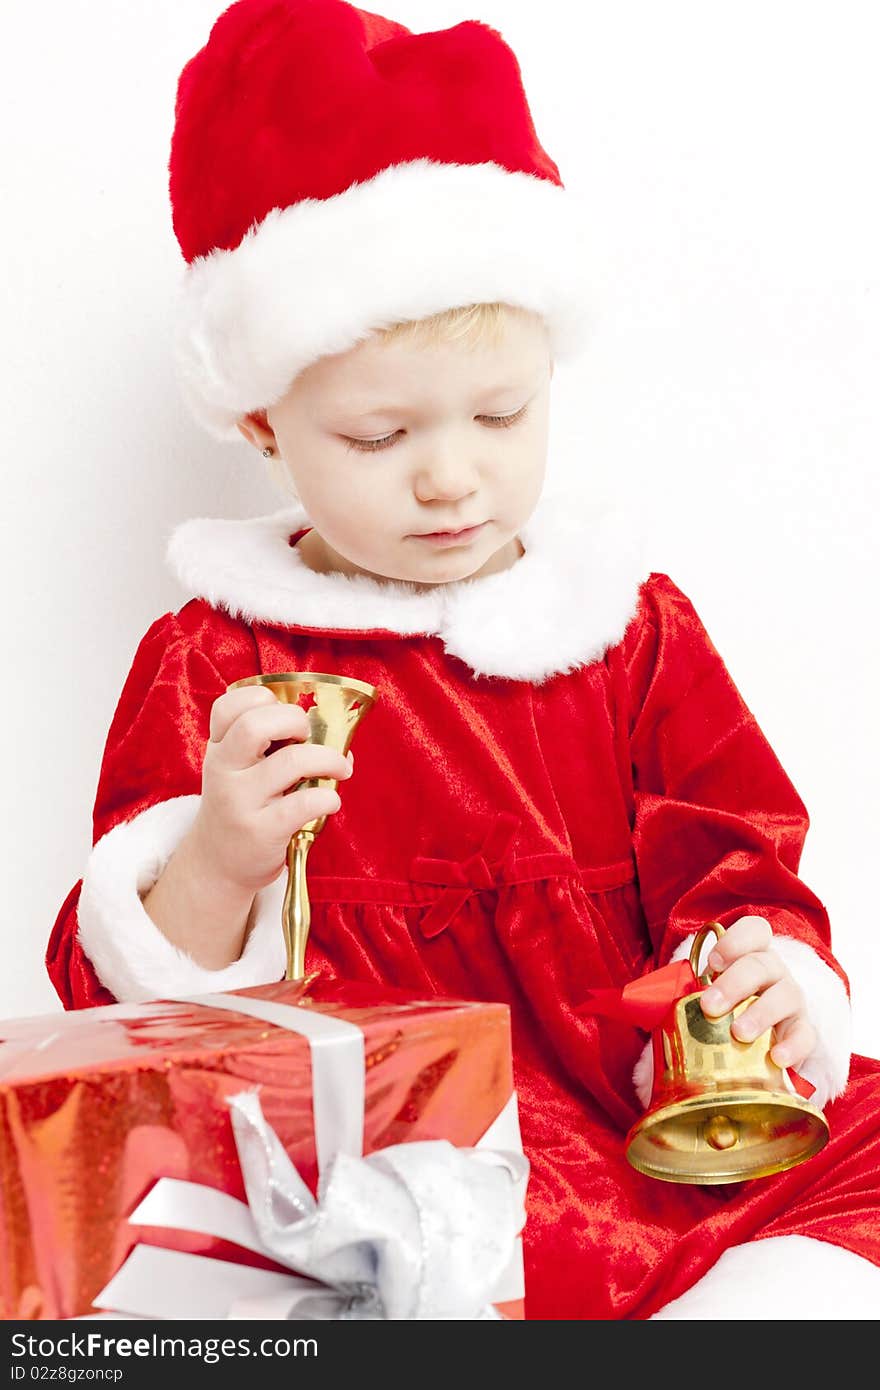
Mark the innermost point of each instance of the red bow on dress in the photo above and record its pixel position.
(485, 868)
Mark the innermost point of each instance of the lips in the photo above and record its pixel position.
(442, 540)
(462, 531)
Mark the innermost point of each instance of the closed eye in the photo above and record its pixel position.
(368, 445)
(503, 422)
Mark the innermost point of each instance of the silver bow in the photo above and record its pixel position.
(418, 1230)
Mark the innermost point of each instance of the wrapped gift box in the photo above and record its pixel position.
(97, 1105)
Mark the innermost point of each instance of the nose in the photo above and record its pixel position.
(446, 475)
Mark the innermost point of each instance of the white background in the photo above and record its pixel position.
(728, 153)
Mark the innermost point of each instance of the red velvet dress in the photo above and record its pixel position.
(528, 840)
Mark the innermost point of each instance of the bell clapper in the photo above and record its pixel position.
(721, 1132)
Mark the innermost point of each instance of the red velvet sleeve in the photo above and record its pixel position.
(719, 828)
(153, 752)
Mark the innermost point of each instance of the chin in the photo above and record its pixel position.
(452, 571)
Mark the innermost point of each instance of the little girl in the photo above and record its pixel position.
(560, 782)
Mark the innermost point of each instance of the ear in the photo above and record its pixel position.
(256, 430)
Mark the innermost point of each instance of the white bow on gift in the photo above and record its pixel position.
(417, 1230)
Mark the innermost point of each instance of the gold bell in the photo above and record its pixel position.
(335, 706)
(719, 1111)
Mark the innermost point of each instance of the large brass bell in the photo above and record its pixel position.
(720, 1111)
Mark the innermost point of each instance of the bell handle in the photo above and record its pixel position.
(696, 950)
(296, 914)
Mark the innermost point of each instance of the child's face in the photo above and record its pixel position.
(438, 462)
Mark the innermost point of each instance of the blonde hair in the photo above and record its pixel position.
(469, 324)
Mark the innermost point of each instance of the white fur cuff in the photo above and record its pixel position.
(130, 955)
(827, 1067)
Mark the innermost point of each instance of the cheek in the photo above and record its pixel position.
(521, 488)
(520, 468)
(325, 478)
(347, 499)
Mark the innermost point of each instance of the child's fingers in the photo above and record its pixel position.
(287, 814)
(781, 1001)
(227, 707)
(749, 975)
(253, 729)
(744, 935)
(296, 762)
(795, 1039)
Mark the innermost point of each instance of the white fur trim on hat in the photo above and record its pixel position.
(827, 1067)
(315, 278)
(560, 605)
(129, 953)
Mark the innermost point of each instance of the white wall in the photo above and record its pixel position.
(729, 154)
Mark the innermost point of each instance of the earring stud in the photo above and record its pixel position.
(267, 453)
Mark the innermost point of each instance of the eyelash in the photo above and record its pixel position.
(372, 446)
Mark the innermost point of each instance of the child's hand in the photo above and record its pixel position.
(247, 814)
(748, 965)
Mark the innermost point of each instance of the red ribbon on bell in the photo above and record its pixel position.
(647, 1002)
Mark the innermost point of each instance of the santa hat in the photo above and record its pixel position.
(332, 173)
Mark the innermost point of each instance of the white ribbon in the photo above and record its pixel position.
(417, 1230)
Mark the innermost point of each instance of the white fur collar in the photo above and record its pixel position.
(568, 598)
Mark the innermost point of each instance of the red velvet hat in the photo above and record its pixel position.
(332, 173)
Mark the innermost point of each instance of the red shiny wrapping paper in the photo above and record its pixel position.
(95, 1106)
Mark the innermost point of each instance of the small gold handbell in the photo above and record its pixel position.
(335, 705)
(719, 1110)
